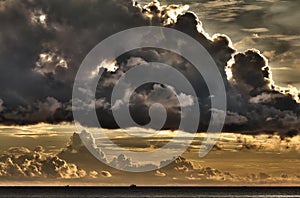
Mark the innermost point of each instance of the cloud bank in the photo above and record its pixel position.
(75, 163)
(21, 162)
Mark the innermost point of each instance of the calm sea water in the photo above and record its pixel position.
(149, 192)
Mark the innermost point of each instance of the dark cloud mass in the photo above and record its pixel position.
(42, 44)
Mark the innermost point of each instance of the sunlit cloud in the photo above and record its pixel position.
(39, 17)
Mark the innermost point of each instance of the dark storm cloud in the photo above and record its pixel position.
(251, 79)
(254, 95)
(250, 72)
(219, 47)
(43, 44)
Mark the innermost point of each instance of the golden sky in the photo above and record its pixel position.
(63, 159)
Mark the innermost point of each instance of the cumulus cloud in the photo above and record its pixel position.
(93, 174)
(22, 162)
(250, 71)
(49, 45)
(76, 146)
(179, 169)
(75, 162)
(105, 174)
(48, 62)
(182, 169)
(123, 162)
(160, 174)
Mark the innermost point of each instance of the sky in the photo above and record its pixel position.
(37, 79)
(254, 44)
